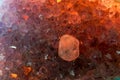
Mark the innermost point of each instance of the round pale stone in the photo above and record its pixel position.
(68, 48)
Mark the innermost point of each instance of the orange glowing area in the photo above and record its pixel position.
(27, 70)
(111, 4)
(117, 0)
(25, 17)
(58, 1)
(13, 75)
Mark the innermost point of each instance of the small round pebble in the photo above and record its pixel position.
(68, 48)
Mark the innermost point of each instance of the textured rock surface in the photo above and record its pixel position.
(30, 31)
(68, 48)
